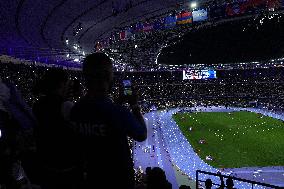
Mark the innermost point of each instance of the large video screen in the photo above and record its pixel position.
(199, 74)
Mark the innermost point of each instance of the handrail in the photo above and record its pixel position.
(234, 178)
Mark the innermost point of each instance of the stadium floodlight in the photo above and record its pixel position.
(193, 5)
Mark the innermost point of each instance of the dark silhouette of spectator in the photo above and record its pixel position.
(230, 183)
(148, 170)
(184, 187)
(16, 136)
(208, 183)
(104, 128)
(157, 179)
(222, 186)
(57, 154)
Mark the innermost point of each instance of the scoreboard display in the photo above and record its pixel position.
(199, 74)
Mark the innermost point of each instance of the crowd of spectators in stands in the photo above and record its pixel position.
(259, 87)
(167, 89)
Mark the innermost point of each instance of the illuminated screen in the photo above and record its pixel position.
(199, 74)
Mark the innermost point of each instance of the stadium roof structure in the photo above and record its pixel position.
(53, 28)
(64, 31)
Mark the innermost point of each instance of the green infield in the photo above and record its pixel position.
(237, 139)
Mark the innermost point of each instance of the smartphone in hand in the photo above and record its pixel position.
(127, 88)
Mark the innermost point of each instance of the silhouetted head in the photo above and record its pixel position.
(158, 173)
(208, 183)
(148, 170)
(97, 70)
(157, 179)
(53, 82)
(230, 183)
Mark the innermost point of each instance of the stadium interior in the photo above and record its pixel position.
(209, 75)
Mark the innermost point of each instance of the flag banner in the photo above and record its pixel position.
(237, 8)
(126, 34)
(147, 27)
(138, 27)
(184, 17)
(170, 21)
(159, 24)
(122, 35)
(200, 15)
(251, 6)
(129, 33)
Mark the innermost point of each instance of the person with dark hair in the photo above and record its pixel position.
(230, 183)
(58, 162)
(104, 127)
(208, 184)
(148, 170)
(157, 179)
(222, 185)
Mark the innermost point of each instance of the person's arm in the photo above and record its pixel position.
(133, 123)
(136, 111)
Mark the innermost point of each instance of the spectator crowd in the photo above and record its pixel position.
(78, 129)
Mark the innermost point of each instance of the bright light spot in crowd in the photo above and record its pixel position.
(136, 46)
(193, 5)
(68, 55)
(76, 60)
(0, 133)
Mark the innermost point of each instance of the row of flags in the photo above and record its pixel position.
(242, 7)
(182, 18)
(186, 17)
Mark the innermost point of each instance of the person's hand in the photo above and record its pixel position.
(133, 99)
(130, 99)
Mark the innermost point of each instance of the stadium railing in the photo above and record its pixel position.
(253, 183)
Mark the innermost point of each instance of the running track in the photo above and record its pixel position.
(165, 146)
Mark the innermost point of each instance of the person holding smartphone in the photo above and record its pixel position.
(103, 127)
